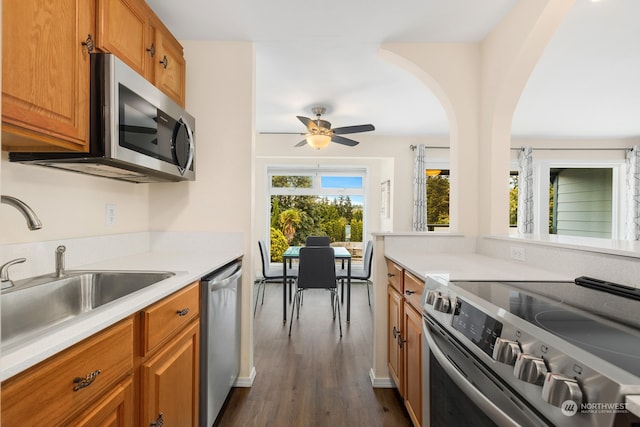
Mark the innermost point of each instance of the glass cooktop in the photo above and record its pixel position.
(555, 311)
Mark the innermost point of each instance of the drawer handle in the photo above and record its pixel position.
(391, 275)
(409, 292)
(395, 332)
(164, 62)
(81, 383)
(159, 422)
(183, 312)
(152, 50)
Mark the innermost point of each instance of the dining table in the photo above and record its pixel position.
(293, 252)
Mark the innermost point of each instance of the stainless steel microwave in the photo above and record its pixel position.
(137, 133)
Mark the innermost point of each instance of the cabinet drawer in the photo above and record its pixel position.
(394, 274)
(54, 384)
(413, 288)
(163, 319)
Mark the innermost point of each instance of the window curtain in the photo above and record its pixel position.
(525, 191)
(419, 190)
(633, 193)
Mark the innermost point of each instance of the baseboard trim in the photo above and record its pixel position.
(380, 382)
(246, 381)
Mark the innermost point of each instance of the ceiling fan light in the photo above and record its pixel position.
(318, 141)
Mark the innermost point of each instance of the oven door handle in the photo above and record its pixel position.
(487, 406)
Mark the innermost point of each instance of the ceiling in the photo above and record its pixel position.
(325, 54)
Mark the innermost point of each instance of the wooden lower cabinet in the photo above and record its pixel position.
(413, 363)
(170, 382)
(114, 410)
(112, 379)
(71, 381)
(395, 308)
(404, 348)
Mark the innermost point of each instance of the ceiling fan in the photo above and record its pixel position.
(320, 134)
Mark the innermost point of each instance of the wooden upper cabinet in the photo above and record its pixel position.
(124, 30)
(45, 74)
(169, 64)
(130, 30)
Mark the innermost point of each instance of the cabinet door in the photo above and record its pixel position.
(45, 74)
(115, 409)
(413, 363)
(169, 74)
(123, 29)
(394, 356)
(170, 382)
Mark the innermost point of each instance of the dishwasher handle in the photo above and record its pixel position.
(214, 283)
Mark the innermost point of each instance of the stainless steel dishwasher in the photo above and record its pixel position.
(219, 338)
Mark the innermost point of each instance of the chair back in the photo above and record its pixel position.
(368, 256)
(316, 268)
(317, 241)
(264, 254)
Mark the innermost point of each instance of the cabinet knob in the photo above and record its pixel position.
(89, 44)
(159, 422)
(401, 341)
(165, 62)
(152, 50)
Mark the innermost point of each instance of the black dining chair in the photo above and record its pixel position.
(317, 241)
(360, 273)
(316, 270)
(270, 273)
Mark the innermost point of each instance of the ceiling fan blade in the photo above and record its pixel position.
(282, 133)
(344, 141)
(310, 124)
(301, 143)
(353, 129)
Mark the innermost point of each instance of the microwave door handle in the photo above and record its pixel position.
(191, 146)
(487, 406)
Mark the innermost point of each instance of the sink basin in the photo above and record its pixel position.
(34, 306)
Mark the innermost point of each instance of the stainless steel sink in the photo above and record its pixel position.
(34, 306)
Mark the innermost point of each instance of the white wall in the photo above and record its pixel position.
(69, 204)
(220, 95)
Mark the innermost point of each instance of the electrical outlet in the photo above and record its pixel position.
(517, 253)
(110, 214)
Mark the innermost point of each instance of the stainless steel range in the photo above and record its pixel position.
(530, 353)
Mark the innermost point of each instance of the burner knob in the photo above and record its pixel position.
(431, 296)
(506, 351)
(442, 304)
(558, 389)
(530, 368)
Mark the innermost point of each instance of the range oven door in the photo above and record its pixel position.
(460, 390)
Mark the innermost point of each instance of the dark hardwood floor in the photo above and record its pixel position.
(313, 378)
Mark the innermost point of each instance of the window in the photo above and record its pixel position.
(580, 202)
(437, 199)
(324, 202)
(574, 200)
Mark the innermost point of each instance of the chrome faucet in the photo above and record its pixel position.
(4, 272)
(33, 222)
(60, 261)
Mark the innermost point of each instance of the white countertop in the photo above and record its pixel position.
(470, 266)
(189, 261)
